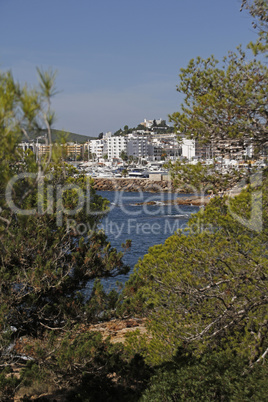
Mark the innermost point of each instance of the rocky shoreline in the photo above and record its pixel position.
(144, 185)
(194, 200)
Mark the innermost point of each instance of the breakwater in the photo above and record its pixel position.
(122, 184)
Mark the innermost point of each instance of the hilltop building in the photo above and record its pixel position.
(149, 123)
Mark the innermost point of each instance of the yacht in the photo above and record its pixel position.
(138, 173)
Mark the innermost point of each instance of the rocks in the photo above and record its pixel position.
(195, 200)
(131, 185)
(198, 201)
(117, 329)
(147, 185)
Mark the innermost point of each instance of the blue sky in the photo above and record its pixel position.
(117, 61)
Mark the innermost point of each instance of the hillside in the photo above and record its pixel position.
(70, 137)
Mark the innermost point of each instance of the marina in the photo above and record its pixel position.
(121, 170)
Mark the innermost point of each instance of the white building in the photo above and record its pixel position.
(188, 148)
(148, 123)
(96, 148)
(28, 145)
(115, 145)
(155, 152)
(137, 145)
(249, 151)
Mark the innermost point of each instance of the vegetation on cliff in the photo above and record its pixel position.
(204, 292)
(46, 266)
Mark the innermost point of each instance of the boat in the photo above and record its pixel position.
(142, 173)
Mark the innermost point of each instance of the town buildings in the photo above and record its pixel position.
(146, 144)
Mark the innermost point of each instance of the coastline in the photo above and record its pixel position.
(151, 186)
(133, 184)
(193, 200)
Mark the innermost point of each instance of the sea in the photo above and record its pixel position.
(145, 225)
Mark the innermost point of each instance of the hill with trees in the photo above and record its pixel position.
(71, 137)
(161, 127)
(56, 135)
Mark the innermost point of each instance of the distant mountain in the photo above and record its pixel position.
(56, 134)
(71, 137)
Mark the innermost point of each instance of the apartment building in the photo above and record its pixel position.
(188, 148)
(27, 146)
(137, 145)
(115, 145)
(96, 148)
(72, 150)
(228, 148)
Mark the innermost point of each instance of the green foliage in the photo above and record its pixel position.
(229, 101)
(201, 178)
(56, 136)
(123, 156)
(118, 132)
(101, 305)
(72, 137)
(204, 292)
(126, 381)
(208, 285)
(222, 103)
(45, 262)
(93, 369)
(258, 9)
(131, 300)
(8, 384)
(211, 377)
(32, 374)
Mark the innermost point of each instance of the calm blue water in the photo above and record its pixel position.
(145, 225)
